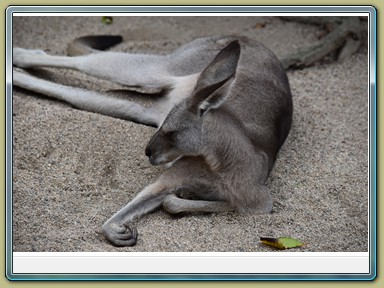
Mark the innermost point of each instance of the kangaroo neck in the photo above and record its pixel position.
(226, 146)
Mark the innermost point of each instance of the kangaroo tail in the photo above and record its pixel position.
(89, 44)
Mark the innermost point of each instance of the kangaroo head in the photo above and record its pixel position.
(181, 133)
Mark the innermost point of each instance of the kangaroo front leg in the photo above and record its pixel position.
(117, 229)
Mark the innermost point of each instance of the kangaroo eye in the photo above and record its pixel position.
(170, 134)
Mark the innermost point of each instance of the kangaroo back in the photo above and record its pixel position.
(260, 98)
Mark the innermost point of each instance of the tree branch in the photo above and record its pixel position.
(345, 37)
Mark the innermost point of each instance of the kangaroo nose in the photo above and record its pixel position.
(148, 152)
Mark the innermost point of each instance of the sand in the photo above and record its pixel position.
(73, 169)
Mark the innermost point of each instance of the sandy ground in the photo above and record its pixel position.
(73, 169)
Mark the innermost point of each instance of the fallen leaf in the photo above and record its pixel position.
(282, 242)
(107, 20)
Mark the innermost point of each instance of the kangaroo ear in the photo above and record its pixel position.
(207, 93)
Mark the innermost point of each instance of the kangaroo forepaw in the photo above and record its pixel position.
(120, 235)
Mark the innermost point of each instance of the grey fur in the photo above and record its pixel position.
(225, 113)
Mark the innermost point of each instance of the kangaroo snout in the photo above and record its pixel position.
(148, 152)
(156, 150)
(160, 150)
(153, 160)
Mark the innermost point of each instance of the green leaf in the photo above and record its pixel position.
(107, 20)
(281, 242)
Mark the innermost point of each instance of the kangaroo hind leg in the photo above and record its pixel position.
(138, 72)
(173, 204)
(89, 100)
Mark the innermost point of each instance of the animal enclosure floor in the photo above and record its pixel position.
(72, 169)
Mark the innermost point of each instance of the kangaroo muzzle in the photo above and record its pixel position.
(160, 150)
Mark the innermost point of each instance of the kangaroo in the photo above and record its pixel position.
(225, 111)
